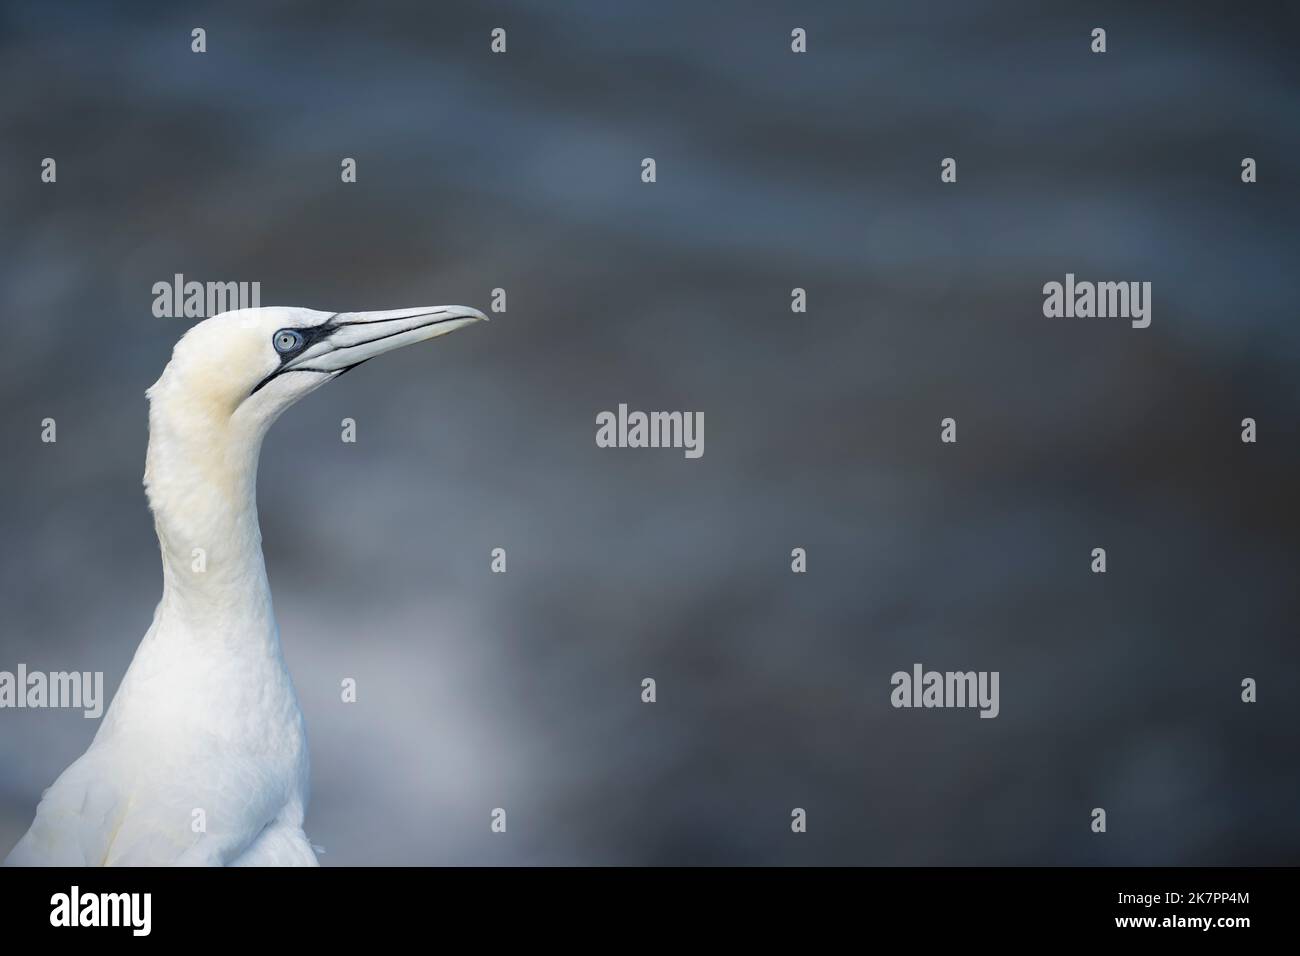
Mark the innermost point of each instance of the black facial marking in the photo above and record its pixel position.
(310, 336)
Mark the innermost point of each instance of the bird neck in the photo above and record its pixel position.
(201, 481)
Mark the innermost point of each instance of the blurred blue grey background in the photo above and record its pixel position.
(522, 171)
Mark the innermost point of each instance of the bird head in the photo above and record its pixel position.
(249, 365)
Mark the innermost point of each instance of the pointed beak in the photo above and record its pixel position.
(350, 338)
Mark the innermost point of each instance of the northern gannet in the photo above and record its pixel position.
(201, 758)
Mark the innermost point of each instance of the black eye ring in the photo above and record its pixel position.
(286, 341)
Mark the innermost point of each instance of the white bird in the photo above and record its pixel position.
(201, 759)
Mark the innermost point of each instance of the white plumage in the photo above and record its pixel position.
(202, 756)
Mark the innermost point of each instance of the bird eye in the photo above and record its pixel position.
(287, 340)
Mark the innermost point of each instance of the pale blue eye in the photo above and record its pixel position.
(287, 340)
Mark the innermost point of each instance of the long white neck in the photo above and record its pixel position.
(201, 479)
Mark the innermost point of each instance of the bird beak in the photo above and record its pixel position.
(350, 338)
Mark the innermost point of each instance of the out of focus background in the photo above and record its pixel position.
(522, 171)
